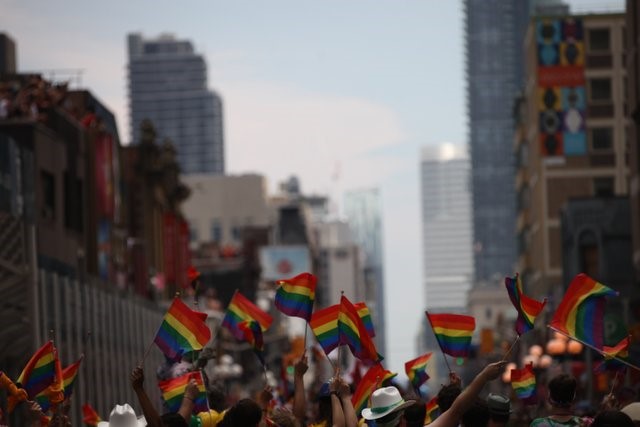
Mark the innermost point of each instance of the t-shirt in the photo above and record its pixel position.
(550, 422)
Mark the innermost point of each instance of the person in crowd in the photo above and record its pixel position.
(245, 413)
(387, 405)
(415, 414)
(612, 419)
(448, 393)
(562, 394)
(122, 416)
(633, 411)
(499, 410)
(477, 415)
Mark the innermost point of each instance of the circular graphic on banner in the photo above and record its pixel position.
(549, 98)
(573, 120)
(550, 121)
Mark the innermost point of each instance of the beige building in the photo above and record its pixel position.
(570, 140)
(220, 206)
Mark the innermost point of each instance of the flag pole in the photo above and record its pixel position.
(613, 384)
(594, 348)
(504, 358)
(439, 345)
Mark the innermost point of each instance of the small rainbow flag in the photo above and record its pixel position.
(173, 392)
(183, 330)
(352, 332)
(69, 375)
(580, 314)
(612, 356)
(324, 324)
(89, 416)
(528, 308)
(295, 296)
(54, 393)
(372, 380)
(523, 382)
(453, 332)
(239, 309)
(253, 335)
(40, 371)
(432, 412)
(416, 370)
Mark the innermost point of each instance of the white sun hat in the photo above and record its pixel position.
(123, 416)
(385, 401)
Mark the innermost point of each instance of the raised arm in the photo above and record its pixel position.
(299, 394)
(464, 401)
(186, 407)
(344, 392)
(150, 414)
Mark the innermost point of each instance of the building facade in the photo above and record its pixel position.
(494, 30)
(570, 141)
(446, 228)
(632, 54)
(168, 86)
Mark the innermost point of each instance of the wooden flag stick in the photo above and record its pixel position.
(594, 348)
(506, 355)
(613, 384)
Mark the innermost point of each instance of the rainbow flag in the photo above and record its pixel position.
(523, 382)
(253, 335)
(40, 371)
(580, 314)
(453, 332)
(295, 296)
(612, 356)
(372, 380)
(324, 324)
(528, 308)
(54, 393)
(173, 392)
(416, 370)
(352, 332)
(183, 330)
(239, 309)
(69, 375)
(432, 412)
(89, 416)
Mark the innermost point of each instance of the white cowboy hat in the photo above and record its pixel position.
(123, 416)
(385, 401)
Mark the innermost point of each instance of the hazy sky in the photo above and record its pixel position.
(349, 89)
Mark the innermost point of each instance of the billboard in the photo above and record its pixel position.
(561, 87)
(282, 262)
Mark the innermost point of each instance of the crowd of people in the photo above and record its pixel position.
(331, 406)
(30, 97)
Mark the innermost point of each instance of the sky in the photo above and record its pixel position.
(342, 93)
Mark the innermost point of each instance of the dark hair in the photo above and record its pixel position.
(414, 414)
(447, 394)
(612, 419)
(173, 420)
(245, 413)
(216, 398)
(477, 415)
(562, 390)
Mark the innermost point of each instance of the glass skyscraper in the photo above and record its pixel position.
(168, 85)
(446, 228)
(495, 32)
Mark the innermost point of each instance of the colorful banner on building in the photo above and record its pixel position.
(561, 87)
(104, 175)
(281, 262)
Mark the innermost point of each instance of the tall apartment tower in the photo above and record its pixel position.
(364, 214)
(446, 228)
(168, 85)
(494, 34)
(571, 142)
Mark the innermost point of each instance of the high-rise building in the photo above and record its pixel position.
(494, 34)
(363, 212)
(446, 228)
(168, 86)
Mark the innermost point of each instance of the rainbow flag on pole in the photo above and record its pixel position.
(253, 335)
(295, 296)
(612, 357)
(69, 375)
(416, 370)
(240, 309)
(432, 412)
(40, 371)
(528, 308)
(183, 330)
(324, 324)
(372, 380)
(173, 392)
(580, 314)
(523, 382)
(453, 332)
(352, 332)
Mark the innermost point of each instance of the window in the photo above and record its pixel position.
(216, 231)
(602, 139)
(48, 185)
(599, 40)
(600, 89)
(73, 203)
(603, 187)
